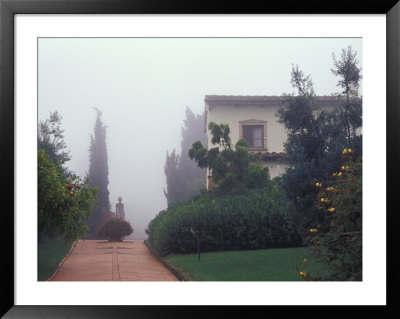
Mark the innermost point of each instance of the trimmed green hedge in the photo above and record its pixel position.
(254, 220)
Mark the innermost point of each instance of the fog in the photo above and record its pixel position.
(143, 85)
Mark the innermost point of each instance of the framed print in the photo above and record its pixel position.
(38, 37)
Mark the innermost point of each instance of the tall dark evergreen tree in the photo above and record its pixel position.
(98, 173)
(184, 178)
(316, 138)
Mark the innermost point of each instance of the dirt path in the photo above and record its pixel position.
(99, 260)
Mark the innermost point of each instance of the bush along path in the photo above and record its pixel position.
(100, 260)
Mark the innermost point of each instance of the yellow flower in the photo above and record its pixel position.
(347, 150)
(305, 260)
(339, 174)
(303, 273)
(331, 210)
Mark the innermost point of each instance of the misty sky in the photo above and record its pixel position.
(143, 85)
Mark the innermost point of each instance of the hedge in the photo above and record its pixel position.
(257, 219)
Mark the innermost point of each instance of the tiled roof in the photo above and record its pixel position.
(260, 99)
(269, 155)
(210, 98)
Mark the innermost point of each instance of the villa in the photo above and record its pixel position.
(253, 118)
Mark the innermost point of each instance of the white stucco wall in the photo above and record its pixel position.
(232, 115)
(276, 168)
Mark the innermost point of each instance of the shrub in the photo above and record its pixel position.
(256, 219)
(340, 242)
(64, 200)
(114, 229)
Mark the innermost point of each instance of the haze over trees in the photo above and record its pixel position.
(98, 174)
(184, 178)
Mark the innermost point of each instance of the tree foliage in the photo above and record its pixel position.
(51, 138)
(348, 71)
(316, 136)
(233, 168)
(339, 244)
(65, 201)
(98, 173)
(184, 178)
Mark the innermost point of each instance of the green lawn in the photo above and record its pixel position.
(250, 265)
(50, 254)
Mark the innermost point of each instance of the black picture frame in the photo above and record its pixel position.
(8, 8)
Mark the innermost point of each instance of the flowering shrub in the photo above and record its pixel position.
(340, 243)
(114, 229)
(64, 200)
(305, 274)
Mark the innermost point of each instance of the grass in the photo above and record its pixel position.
(50, 254)
(250, 265)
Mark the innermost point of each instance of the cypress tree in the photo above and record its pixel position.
(193, 178)
(184, 178)
(98, 174)
(171, 173)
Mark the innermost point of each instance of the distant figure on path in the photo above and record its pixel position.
(119, 211)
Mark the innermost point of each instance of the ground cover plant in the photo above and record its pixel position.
(250, 265)
(51, 252)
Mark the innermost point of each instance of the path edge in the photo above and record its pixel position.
(74, 244)
(176, 271)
